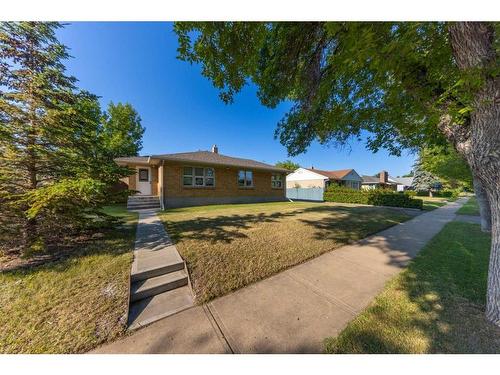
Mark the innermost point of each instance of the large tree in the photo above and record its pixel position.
(122, 130)
(55, 169)
(35, 91)
(406, 84)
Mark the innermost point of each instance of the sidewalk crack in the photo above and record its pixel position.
(217, 327)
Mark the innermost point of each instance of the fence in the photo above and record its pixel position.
(305, 194)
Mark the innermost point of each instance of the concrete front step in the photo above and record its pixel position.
(138, 202)
(151, 309)
(156, 285)
(143, 206)
(143, 201)
(153, 268)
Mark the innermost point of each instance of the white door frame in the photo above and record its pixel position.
(144, 187)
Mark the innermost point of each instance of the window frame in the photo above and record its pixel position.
(274, 180)
(245, 179)
(194, 175)
(139, 178)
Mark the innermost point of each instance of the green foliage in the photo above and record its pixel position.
(66, 207)
(424, 181)
(410, 193)
(121, 132)
(375, 197)
(55, 164)
(448, 165)
(393, 80)
(288, 164)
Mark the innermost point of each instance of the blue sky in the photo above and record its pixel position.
(181, 110)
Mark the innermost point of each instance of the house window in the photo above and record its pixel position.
(143, 174)
(277, 181)
(198, 177)
(245, 178)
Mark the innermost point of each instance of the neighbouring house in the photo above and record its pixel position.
(404, 183)
(311, 177)
(382, 180)
(203, 177)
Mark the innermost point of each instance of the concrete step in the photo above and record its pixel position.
(151, 309)
(143, 200)
(151, 267)
(156, 285)
(143, 206)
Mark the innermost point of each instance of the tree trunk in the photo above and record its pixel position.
(493, 292)
(479, 140)
(483, 203)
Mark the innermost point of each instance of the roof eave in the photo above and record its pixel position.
(180, 160)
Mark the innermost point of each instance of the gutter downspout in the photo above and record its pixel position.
(162, 203)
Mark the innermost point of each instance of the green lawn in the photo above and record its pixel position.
(431, 203)
(435, 306)
(229, 246)
(72, 304)
(469, 208)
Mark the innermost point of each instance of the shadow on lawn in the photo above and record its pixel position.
(344, 221)
(435, 306)
(105, 241)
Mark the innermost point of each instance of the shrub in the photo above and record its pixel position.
(410, 193)
(66, 207)
(422, 193)
(448, 194)
(375, 197)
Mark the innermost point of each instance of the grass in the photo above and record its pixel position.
(72, 304)
(469, 208)
(435, 306)
(229, 246)
(431, 203)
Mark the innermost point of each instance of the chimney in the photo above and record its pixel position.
(312, 166)
(383, 177)
(215, 149)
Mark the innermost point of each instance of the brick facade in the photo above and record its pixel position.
(226, 189)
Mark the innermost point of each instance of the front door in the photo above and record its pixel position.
(144, 180)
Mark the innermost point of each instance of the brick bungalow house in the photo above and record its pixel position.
(201, 177)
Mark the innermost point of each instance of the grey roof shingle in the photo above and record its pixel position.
(407, 181)
(212, 158)
(370, 179)
(133, 159)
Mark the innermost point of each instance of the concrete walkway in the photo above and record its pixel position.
(295, 310)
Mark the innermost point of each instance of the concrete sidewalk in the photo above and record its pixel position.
(293, 311)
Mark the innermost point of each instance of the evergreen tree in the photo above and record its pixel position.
(48, 139)
(424, 180)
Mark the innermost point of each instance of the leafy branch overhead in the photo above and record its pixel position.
(393, 80)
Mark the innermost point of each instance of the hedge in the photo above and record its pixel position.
(375, 197)
(439, 194)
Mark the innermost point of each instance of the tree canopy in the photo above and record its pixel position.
(122, 130)
(389, 79)
(288, 164)
(445, 163)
